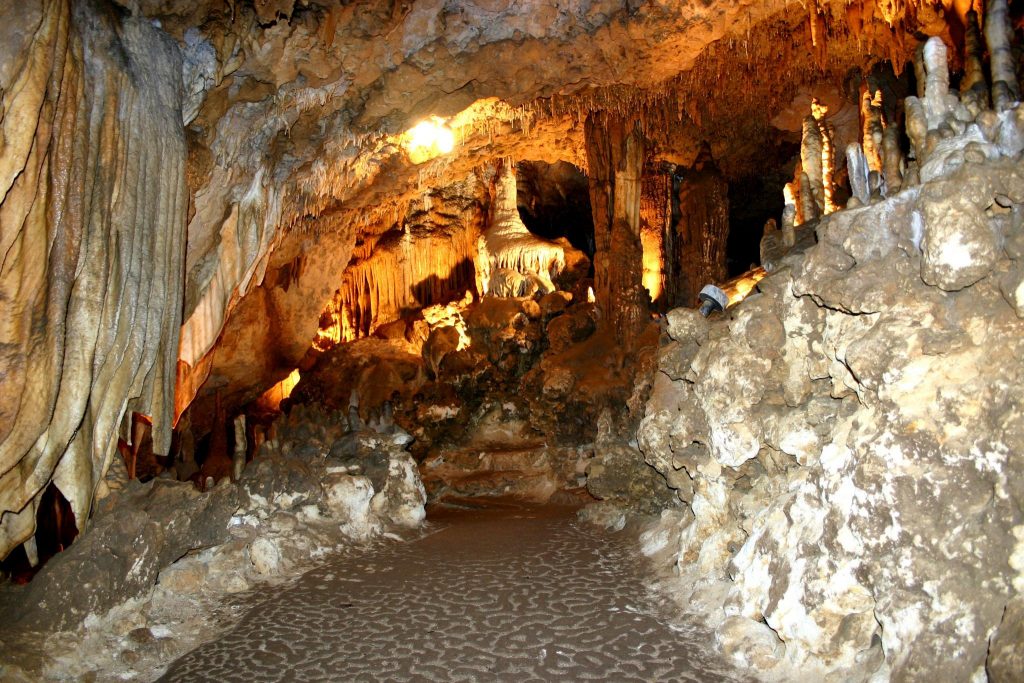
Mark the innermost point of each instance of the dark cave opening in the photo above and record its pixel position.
(554, 201)
(56, 529)
(753, 200)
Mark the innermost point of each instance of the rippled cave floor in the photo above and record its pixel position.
(492, 595)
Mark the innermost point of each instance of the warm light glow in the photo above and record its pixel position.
(288, 383)
(590, 295)
(428, 139)
(450, 315)
(332, 335)
(273, 396)
(740, 287)
(653, 261)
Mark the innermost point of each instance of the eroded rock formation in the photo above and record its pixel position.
(848, 436)
(92, 222)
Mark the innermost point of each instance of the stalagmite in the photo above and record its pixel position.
(772, 247)
(511, 246)
(702, 230)
(1005, 89)
(810, 163)
(937, 103)
(973, 89)
(828, 164)
(920, 72)
(238, 457)
(917, 128)
(858, 171)
(808, 205)
(876, 184)
(892, 161)
(872, 128)
(615, 156)
(791, 210)
(656, 236)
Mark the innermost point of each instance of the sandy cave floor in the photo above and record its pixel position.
(494, 595)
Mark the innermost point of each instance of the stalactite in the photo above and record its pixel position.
(400, 271)
(1005, 89)
(818, 31)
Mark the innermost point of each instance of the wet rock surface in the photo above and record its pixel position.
(490, 595)
(126, 547)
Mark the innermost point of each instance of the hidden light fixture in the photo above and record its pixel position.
(428, 139)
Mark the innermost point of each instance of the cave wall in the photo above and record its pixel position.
(92, 226)
(844, 440)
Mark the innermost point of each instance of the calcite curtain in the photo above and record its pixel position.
(92, 231)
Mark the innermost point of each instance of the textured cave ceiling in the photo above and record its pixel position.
(310, 98)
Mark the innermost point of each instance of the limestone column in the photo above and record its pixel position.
(702, 230)
(615, 155)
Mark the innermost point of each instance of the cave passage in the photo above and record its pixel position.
(554, 201)
(523, 594)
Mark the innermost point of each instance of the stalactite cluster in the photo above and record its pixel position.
(404, 269)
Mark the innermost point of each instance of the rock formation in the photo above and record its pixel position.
(844, 439)
(92, 214)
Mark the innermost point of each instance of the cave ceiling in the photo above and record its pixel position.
(310, 90)
(302, 109)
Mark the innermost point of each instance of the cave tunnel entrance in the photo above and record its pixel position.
(554, 201)
(753, 200)
(56, 528)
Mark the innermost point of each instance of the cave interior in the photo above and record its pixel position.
(463, 244)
